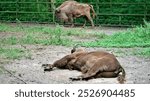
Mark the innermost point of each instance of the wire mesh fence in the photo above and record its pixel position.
(109, 12)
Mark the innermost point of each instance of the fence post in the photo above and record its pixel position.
(17, 9)
(97, 11)
(38, 7)
(145, 10)
(53, 9)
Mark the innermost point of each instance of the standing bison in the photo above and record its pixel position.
(94, 64)
(70, 10)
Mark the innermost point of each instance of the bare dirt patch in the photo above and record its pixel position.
(30, 71)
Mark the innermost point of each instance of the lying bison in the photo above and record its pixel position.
(96, 64)
(70, 10)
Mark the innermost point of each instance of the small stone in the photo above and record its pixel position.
(19, 75)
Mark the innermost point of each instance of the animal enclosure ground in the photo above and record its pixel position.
(29, 70)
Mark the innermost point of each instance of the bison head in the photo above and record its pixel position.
(57, 13)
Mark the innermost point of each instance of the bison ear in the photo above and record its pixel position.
(73, 50)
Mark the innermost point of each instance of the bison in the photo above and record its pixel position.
(69, 10)
(95, 64)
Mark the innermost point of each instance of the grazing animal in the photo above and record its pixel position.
(69, 10)
(95, 64)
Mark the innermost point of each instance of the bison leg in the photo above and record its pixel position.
(106, 75)
(90, 19)
(71, 20)
(64, 18)
(84, 69)
(85, 21)
(89, 74)
(61, 63)
(100, 75)
(98, 67)
(84, 24)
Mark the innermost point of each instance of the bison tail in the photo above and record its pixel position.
(93, 12)
(121, 77)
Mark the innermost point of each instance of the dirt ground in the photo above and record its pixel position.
(30, 71)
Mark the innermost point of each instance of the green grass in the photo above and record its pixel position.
(11, 53)
(35, 35)
(31, 35)
(45, 35)
(137, 37)
(31, 38)
(143, 52)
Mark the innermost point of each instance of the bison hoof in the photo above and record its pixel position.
(46, 67)
(75, 78)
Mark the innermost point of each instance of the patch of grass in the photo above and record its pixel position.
(137, 37)
(37, 35)
(31, 35)
(100, 35)
(58, 30)
(13, 40)
(8, 28)
(44, 35)
(4, 27)
(32, 38)
(143, 52)
(11, 53)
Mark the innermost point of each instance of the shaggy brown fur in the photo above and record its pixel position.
(94, 64)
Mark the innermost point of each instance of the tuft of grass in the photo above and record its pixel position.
(9, 28)
(4, 27)
(138, 37)
(143, 52)
(13, 40)
(11, 53)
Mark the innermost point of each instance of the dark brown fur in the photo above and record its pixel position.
(94, 64)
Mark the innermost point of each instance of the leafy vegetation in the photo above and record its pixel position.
(137, 37)
(110, 12)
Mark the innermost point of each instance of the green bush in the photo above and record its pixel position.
(108, 11)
